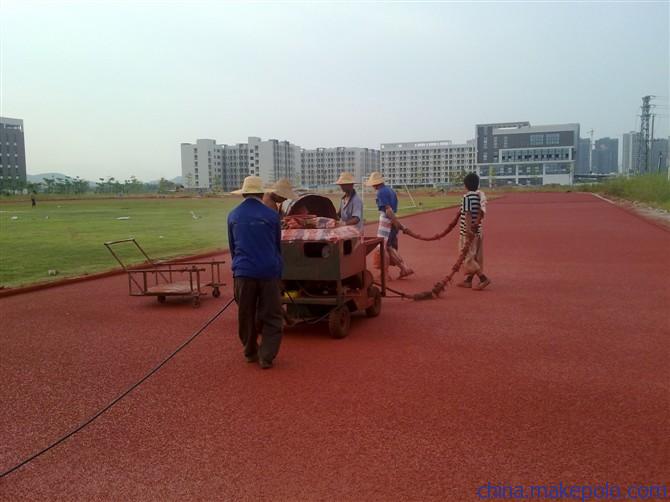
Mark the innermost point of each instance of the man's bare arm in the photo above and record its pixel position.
(392, 216)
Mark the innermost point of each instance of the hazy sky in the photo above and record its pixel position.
(113, 88)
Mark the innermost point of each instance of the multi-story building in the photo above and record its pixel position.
(658, 161)
(12, 152)
(606, 156)
(201, 163)
(517, 153)
(629, 152)
(584, 156)
(321, 166)
(426, 163)
(206, 165)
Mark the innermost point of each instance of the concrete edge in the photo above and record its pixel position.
(101, 275)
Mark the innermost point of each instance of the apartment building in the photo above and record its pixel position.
(12, 152)
(206, 165)
(426, 163)
(321, 166)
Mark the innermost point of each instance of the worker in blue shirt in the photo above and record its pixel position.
(389, 224)
(254, 238)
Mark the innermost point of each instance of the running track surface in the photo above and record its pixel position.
(558, 372)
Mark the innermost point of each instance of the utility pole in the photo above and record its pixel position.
(644, 143)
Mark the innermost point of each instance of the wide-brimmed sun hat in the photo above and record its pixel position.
(345, 179)
(284, 189)
(251, 185)
(375, 178)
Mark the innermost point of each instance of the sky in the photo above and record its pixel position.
(111, 88)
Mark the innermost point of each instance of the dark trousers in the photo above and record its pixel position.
(259, 300)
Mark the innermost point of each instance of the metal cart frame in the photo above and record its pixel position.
(161, 279)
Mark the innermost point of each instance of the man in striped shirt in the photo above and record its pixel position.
(473, 209)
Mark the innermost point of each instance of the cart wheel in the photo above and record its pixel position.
(368, 279)
(375, 309)
(196, 301)
(161, 299)
(339, 320)
(216, 292)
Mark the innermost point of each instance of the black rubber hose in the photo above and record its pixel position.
(120, 396)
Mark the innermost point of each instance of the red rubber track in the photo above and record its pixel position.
(558, 372)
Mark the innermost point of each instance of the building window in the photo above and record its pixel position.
(553, 139)
(536, 139)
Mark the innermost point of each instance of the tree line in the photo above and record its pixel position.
(78, 186)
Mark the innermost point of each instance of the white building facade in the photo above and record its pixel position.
(322, 166)
(516, 153)
(426, 163)
(206, 165)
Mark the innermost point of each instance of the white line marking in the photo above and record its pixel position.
(603, 198)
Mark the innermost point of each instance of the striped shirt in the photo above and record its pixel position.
(472, 203)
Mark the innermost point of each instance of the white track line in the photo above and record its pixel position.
(603, 198)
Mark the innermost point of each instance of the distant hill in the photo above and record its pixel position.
(38, 178)
(179, 180)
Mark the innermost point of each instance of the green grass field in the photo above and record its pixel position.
(68, 235)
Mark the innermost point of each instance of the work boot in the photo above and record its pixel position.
(482, 284)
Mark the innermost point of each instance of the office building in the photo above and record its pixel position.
(584, 156)
(606, 156)
(658, 161)
(629, 152)
(513, 153)
(12, 153)
(207, 165)
(320, 167)
(426, 163)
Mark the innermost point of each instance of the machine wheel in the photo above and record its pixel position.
(375, 309)
(216, 292)
(368, 279)
(339, 320)
(161, 299)
(196, 301)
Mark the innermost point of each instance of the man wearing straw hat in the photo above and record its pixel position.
(278, 194)
(389, 224)
(254, 238)
(351, 205)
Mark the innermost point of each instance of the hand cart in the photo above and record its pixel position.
(161, 279)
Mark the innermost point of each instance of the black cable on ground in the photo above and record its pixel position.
(118, 398)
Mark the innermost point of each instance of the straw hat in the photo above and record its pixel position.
(375, 178)
(284, 189)
(345, 179)
(252, 184)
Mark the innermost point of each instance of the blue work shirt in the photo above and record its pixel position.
(254, 238)
(387, 197)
